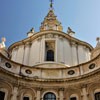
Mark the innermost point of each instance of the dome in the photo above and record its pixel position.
(50, 22)
(50, 65)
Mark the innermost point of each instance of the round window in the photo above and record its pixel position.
(91, 66)
(71, 72)
(28, 71)
(8, 65)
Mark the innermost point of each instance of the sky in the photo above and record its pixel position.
(17, 17)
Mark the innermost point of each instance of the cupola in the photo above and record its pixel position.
(50, 21)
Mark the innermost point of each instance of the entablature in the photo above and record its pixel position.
(60, 72)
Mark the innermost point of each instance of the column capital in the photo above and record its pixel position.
(39, 88)
(73, 43)
(83, 85)
(15, 85)
(61, 89)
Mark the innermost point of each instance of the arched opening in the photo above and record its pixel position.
(49, 96)
(2, 95)
(50, 55)
(97, 96)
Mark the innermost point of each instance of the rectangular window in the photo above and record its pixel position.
(73, 98)
(50, 50)
(97, 96)
(26, 98)
(2, 95)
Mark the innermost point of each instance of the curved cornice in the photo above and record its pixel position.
(38, 34)
(82, 78)
(78, 75)
(37, 65)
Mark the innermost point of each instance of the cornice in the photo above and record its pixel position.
(36, 66)
(38, 34)
(88, 78)
(94, 74)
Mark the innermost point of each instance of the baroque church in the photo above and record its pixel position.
(50, 65)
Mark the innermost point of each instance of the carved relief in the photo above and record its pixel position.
(50, 73)
(50, 45)
(49, 36)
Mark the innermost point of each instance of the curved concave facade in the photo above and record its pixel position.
(50, 65)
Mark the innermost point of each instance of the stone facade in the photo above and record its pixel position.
(50, 65)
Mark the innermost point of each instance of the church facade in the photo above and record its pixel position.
(50, 65)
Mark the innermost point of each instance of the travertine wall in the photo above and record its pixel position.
(49, 70)
(49, 77)
(66, 51)
(36, 91)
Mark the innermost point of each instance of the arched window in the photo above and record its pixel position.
(73, 98)
(2, 95)
(50, 55)
(97, 96)
(25, 98)
(49, 96)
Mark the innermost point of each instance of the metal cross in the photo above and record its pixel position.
(51, 4)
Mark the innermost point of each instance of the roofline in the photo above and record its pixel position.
(38, 34)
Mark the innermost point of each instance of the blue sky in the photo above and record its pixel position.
(17, 17)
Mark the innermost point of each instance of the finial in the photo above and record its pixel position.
(32, 30)
(51, 4)
(70, 31)
(98, 39)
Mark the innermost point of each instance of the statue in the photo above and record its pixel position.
(2, 44)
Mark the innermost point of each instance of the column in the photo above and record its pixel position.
(14, 93)
(84, 92)
(61, 95)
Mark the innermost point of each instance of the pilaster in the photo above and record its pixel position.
(61, 93)
(38, 97)
(84, 92)
(14, 93)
